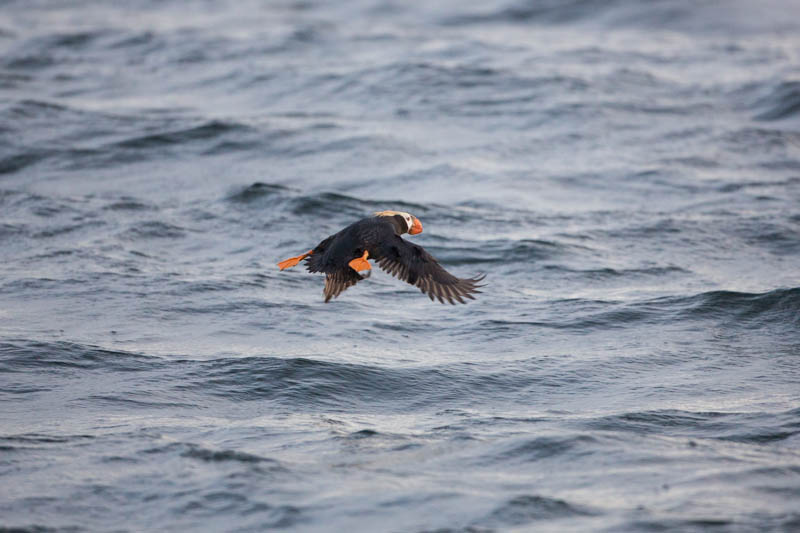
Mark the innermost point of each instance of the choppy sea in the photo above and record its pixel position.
(626, 174)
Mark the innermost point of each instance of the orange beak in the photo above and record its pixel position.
(416, 226)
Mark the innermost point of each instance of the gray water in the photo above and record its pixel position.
(626, 174)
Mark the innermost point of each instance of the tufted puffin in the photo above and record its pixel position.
(344, 255)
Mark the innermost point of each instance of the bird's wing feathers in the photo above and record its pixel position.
(338, 281)
(412, 264)
(331, 256)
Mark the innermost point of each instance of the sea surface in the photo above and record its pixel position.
(626, 174)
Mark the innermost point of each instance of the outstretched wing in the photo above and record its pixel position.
(338, 281)
(412, 264)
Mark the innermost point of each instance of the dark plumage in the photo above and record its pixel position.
(342, 255)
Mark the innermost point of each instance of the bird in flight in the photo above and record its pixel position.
(343, 257)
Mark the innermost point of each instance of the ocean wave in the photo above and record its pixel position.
(539, 448)
(782, 102)
(779, 305)
(542, 11)
(751, 428)
(296, 381)
(792, 181)
(527, 509)
(35, 439)
(17, 162)
(37, 528)
(675, 524)
(26, 355)
(116, 138)
(605, 273)
(211, 455)
(143, 400)
(210, 130)
(9, 230)
(153, 229)
(29, 108)
(673, 15)
(129, 203)
(521, 253)
(257, 191)
(260, 195)
(777, 308)
(46, 216)
(455, 89)
(761, 141)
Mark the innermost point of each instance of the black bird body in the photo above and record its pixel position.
(335, 252)
(379, 238)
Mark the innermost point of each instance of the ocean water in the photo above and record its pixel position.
(625, 173)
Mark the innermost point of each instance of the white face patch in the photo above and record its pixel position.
(408, 218)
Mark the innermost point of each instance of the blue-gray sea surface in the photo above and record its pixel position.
(626, 173)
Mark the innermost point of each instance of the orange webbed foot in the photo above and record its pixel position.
(360, 263)
(293, 261)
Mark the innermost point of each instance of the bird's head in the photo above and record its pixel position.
(405, 222)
